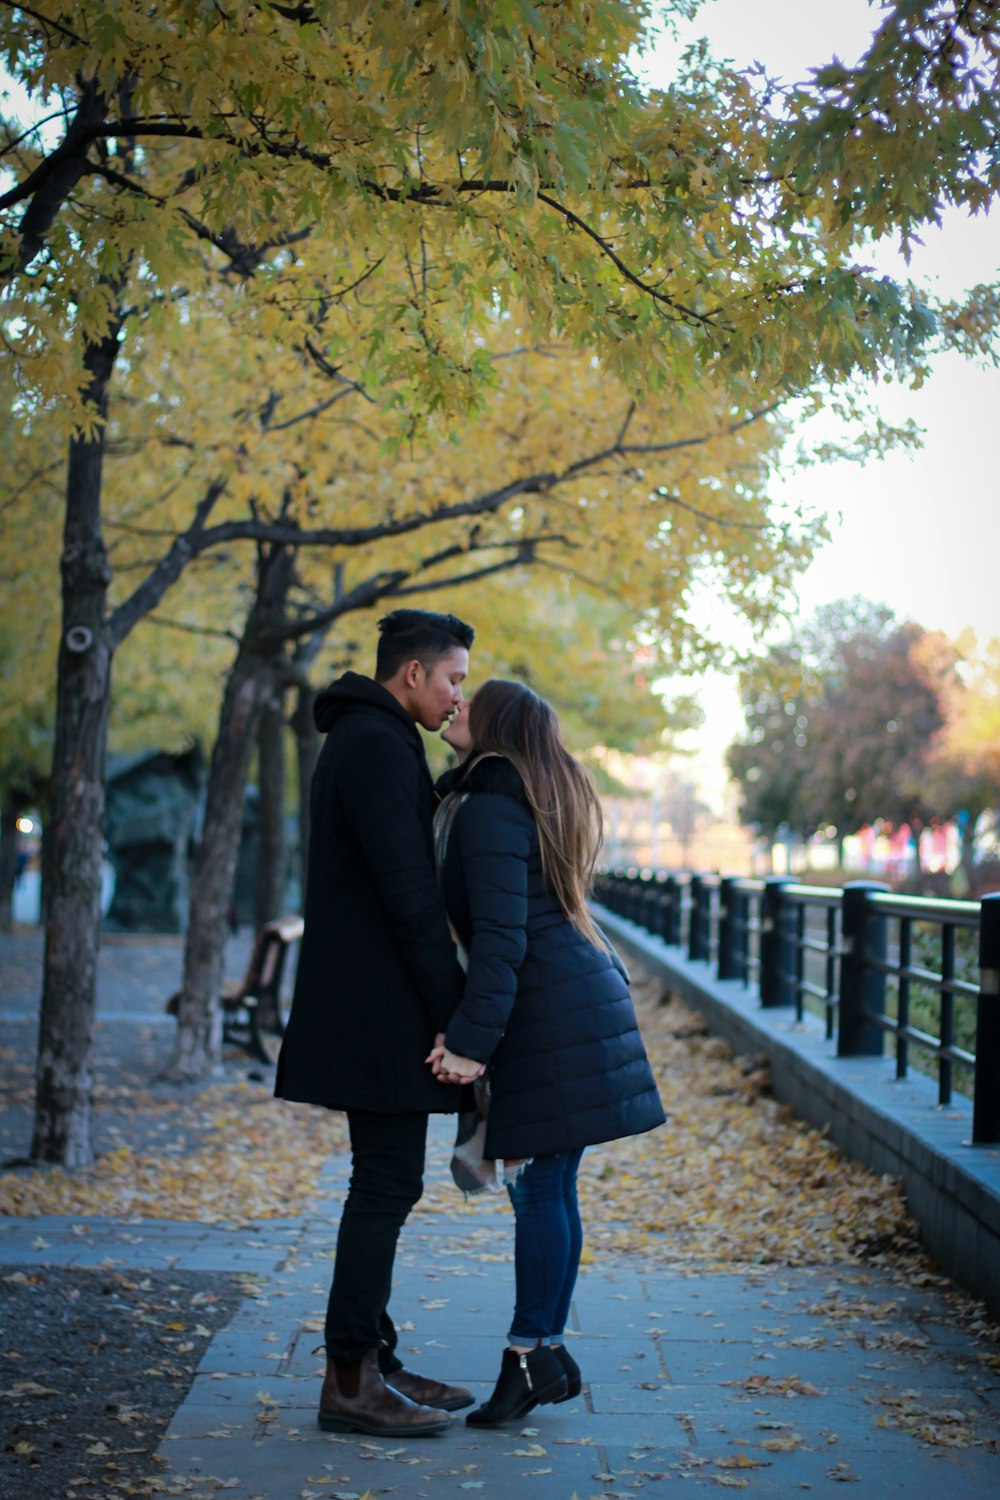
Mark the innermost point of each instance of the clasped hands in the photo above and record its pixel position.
(449, 1067)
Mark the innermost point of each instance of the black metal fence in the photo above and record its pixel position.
(923, 973)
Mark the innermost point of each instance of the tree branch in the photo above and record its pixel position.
(52, 181)
(44, 21)
(286, 534)
(25, 484)
(525, 559)
(399, 584)
(315, 411)
(169, 568)
(712, 520)
(168, 624)
(200, 538)
(15, 141)
(625, 424)
(361, 596)
(689, 313)
(331, 371)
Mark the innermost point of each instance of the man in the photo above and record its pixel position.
(377, 982)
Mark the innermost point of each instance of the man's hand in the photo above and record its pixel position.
(449, 1067)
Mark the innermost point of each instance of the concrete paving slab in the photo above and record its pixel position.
(658, 1350)
(655, 1407)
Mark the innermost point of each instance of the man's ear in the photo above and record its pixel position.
(413, 668)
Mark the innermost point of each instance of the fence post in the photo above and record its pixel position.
(628, 909)
(608, 891)
(637, 898)
(697, 948)
(671, 930)
(732, 953)
(862, 989)
(776, 952)
(650, 897)
(986, 1099)
(657, 908)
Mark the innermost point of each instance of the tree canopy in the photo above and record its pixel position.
(218, 442)
(862, 719)
(506, 152)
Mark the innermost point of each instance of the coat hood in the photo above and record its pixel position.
(352, 691)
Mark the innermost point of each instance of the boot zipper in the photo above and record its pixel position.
(523, 1361)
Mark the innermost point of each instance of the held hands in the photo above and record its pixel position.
(449, 1067)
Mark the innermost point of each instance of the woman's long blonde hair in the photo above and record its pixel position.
(509, 719)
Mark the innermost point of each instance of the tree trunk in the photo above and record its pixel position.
(9, 813)
(308, 740)
(916, 829)
(248, 691)
(63, 1130)
(966, 824)
(271, 848)
(307, 747)
(45, 867)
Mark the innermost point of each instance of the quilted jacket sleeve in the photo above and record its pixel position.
(492, 838)
(378, 790)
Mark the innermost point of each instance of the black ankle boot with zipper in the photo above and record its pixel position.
(570, 1369)
(525, 1381)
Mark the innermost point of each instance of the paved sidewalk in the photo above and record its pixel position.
(133, 1036)
(774, 1382)
(778, 1382)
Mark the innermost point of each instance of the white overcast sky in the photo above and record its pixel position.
(919, 532)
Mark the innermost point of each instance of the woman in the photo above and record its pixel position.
(546, 1008)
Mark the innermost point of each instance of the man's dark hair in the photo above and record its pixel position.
(417, 635)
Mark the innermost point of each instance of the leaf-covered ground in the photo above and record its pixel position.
(229, 1154)
(731, 1180)
(93, 1366)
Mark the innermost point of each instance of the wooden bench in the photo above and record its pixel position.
(252, 1005)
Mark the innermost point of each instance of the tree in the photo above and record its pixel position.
(505, 158)
(912, 125)
(784, 693)
(671, 223)
(842, 723)
(881, 711)
(684, 812)
(962, 778)
(772, 762)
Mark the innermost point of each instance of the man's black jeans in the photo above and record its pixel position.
(386, 1181)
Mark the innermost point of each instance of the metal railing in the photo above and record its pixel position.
(855, 956)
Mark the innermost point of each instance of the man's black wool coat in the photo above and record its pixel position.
(377, 974)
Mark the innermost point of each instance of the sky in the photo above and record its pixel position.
(919, 531)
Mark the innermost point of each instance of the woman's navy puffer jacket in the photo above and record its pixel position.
(548, 1011)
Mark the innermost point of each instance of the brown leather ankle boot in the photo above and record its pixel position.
(376, 1408)
(428, 1392)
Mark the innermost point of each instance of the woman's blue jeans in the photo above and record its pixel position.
(548, 1239)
